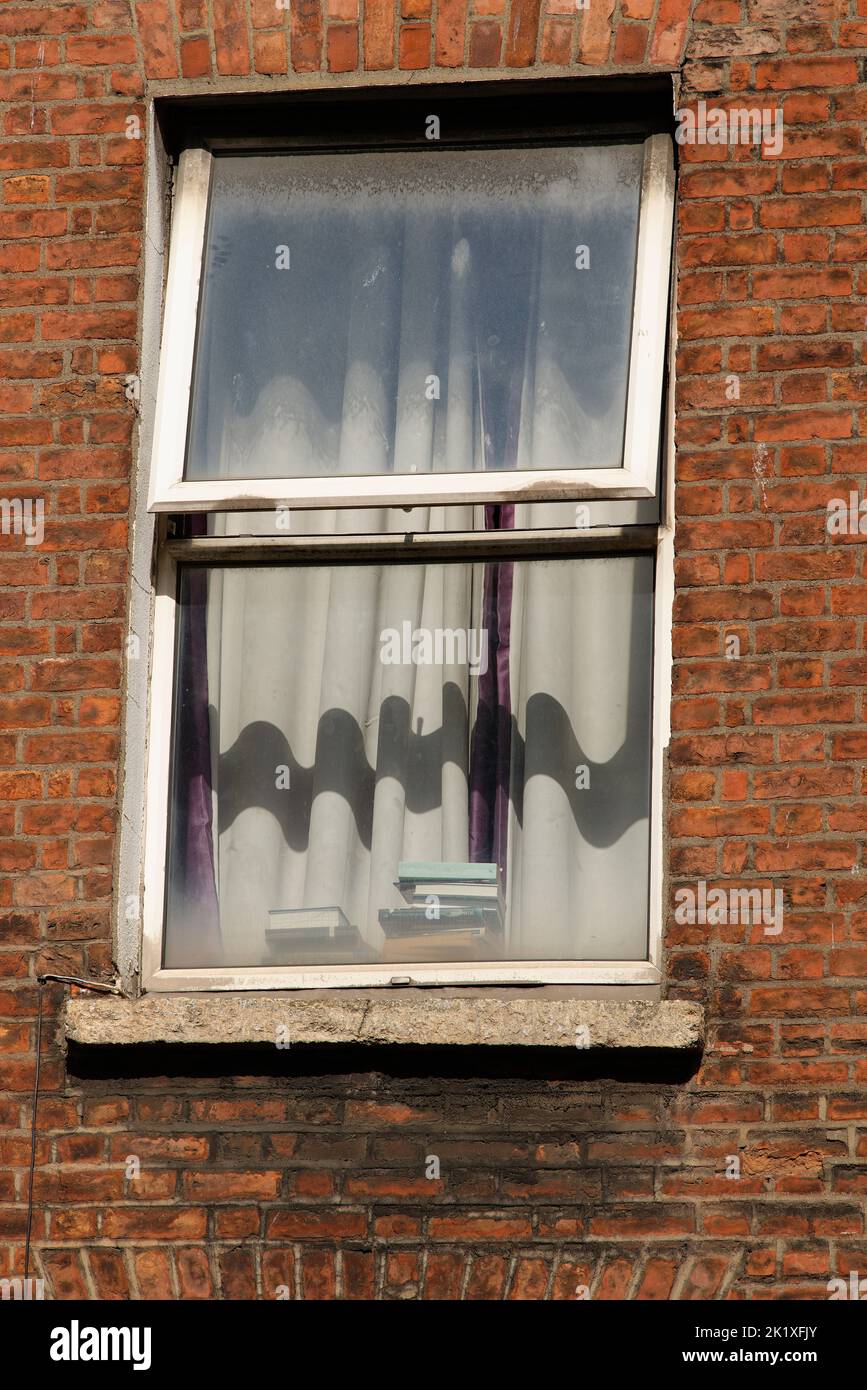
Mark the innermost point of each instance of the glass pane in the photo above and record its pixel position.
(433, 311)
(376, 765)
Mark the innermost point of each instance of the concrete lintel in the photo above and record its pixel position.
(420, 1019)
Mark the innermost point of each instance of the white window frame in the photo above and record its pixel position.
(653, 293)
(636, 478)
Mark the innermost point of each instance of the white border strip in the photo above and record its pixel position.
(189, 214)
(402, 489)
(131, 771)
(647, 360)
(368, 977)
(158, 759)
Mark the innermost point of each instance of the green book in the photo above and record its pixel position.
(433, 871)
(401, 921)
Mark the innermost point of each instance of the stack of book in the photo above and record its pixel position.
(313, 936)
(454, 912)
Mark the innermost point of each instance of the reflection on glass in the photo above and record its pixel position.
(405, 763)
(435, 311)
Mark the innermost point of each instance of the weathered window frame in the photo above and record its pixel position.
(170, 494)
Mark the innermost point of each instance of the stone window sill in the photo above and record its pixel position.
(408, 1017)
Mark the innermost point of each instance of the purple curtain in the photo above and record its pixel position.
(491, 752)
(503, 336)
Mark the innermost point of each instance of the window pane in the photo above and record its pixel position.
(411, 763)
(433, 311)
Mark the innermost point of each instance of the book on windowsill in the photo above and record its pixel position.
(412, 873)
(453, 893)
(314, 936)
(421, 921)
(450, 885)
(288, 925)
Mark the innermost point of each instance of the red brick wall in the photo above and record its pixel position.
(546, 1184)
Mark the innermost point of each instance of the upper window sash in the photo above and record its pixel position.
(637, 478)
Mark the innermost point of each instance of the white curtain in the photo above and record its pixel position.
(299, 650)
(379, 754)
(577, 865)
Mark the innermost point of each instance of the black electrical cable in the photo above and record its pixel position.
(40, 980)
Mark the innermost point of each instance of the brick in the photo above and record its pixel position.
(195, 58)
(34, 155)
(444, 1276)
(414, 46)
(556, 43)
(805, 72)
(109, 1274)
(494, 1227)
(306, 36)
(153, 1274)
(487, 1277)
(342, 47)
(193, 1273)
(669, 32)
(358, 1274)
(378, 35)
(522, 34)
(108, 48)
(226, 1187)
(657, 1280)
(269, 53)
(486, 38)
(237, 1274)
(318, 1277)
(316, 1225)
(594, 42)
(64, 1274)
(230, 38)
(154, 1223)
